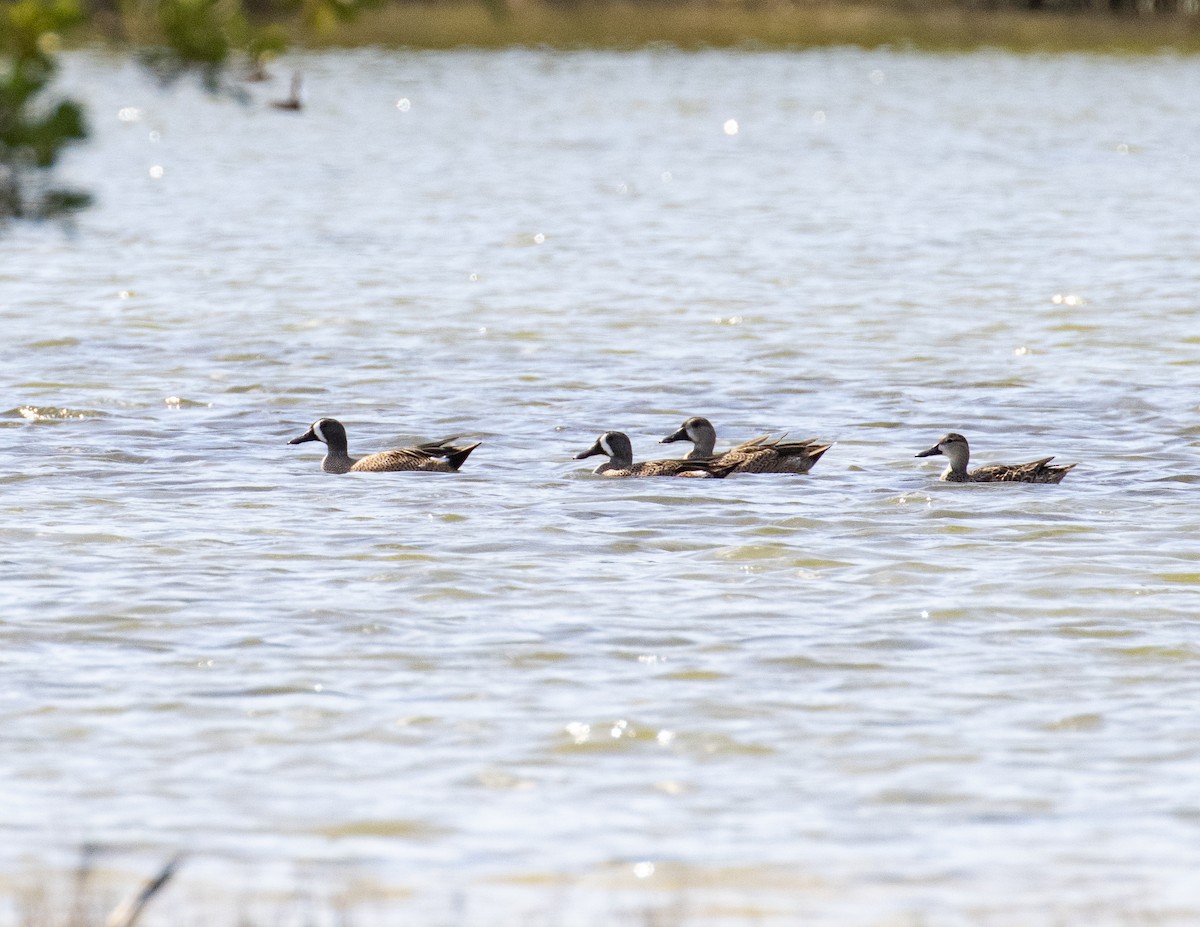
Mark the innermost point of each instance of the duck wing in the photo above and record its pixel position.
(1036, 471)
(436, 456)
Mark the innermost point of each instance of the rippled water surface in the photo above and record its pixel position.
(522, 694)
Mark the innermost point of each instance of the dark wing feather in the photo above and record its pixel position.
(1036, 471)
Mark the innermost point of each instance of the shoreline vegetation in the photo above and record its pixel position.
(1108, 26)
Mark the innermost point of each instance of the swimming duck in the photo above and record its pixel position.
(955, 447)
(762, 455)
(615, 445)
(436, 456)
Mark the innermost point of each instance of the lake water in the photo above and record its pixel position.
(525, 695)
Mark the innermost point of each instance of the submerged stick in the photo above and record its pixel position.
(83, 872)
(126, 914)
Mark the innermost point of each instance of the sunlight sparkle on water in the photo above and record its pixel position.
(156, 171)
(731, 127)
(643, 870)
(129, 114)
(403, 104)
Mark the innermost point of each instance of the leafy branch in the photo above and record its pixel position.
(35, 130)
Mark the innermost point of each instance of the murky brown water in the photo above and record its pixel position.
(523, 695)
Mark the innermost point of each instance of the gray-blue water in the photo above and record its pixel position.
(521, 694)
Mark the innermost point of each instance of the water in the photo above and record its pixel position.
(521, 694)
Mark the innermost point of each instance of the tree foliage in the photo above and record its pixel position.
(35, 129)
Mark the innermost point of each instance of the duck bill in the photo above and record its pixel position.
(590, 452)
(309, 435)
(680, 435)
(929, 453)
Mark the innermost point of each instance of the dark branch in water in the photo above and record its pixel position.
(127, 913)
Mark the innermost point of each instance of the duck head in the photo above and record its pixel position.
(953, 446)
(613, 444)
(698, 430)
(328, 431)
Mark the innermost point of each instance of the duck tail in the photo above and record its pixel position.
(1057, 473)
(816, 451)
(456, 456)
(721, 470)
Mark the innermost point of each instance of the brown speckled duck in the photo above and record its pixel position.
(616, 447)
(762, 455)
(435, 457)
(955, 447)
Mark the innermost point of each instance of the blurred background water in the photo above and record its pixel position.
(521, 694)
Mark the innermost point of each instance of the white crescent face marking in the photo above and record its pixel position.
(604, 444)
(319, 433)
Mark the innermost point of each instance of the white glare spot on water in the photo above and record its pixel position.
(318, 688)
(155, 136)
(156, 171)
(643, 870)
(173, 401)
(665, 737)
(1122, 149)
(924, 613)
(622, 188)
(1021, 351)
(732, 320)
(539, 238)
(129, 114)
(819, 117)
(648, 658)
(1068, 299)
(472, 277)
(666, 176)
(403, 104)
(731, 127)
(579, 732)
(125, 294)
(618, 729)
(877, 77)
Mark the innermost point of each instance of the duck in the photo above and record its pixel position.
(615, 445)
(761, 455)
(434, 457)
(955, 447)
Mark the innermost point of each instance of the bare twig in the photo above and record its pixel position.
(126, 914)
